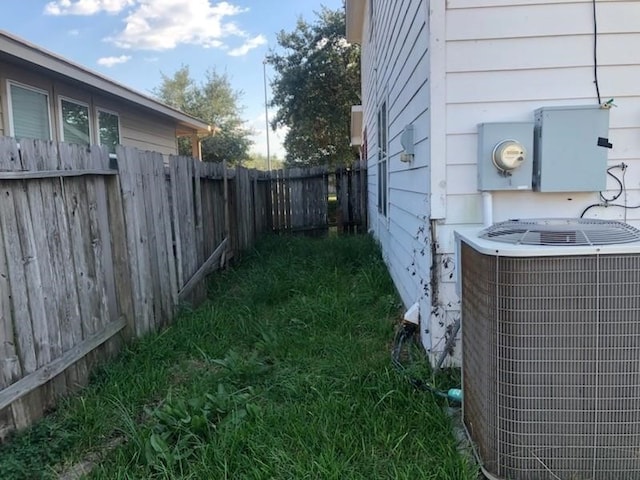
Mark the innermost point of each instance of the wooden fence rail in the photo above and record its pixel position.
(95, 251)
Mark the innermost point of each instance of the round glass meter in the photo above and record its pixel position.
(508, 155)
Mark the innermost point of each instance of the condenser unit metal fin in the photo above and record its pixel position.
(561, 231)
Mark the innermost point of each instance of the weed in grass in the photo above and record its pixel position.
(241, 367)
(180, 427)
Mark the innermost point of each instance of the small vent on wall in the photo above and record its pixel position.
(561, 231)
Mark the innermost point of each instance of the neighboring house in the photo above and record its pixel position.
(434, 70)
(48, 97)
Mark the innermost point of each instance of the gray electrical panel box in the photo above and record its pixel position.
(570, 149)
(505, 156)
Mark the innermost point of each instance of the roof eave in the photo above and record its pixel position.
(31, 53)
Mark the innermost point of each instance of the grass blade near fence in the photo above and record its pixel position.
(283, 373)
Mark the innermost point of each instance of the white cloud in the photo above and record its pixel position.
(248, 46)
(111, 61)
(86, 7)
(165, 24)
(73, 32)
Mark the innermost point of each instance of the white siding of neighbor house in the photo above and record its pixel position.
(138, 127)
(395, 67)
(506, 58)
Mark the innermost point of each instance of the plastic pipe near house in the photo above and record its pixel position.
(487, 209)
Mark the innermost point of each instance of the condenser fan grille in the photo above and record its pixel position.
(562, 232)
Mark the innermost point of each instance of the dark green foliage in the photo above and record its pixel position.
(317, 81)
(215, 102)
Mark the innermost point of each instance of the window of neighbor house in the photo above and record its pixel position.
(382, 159)
(75, 122)
(108, 129)
(29, 109)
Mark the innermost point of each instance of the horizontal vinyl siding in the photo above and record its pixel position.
(147, 133)
(453, 4)
(498, 55)
(540, 19)
(395, 68)
(369, 102)
(505, 59)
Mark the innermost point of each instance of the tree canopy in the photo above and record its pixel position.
(215, 102)
(317, 81)
(261, 162)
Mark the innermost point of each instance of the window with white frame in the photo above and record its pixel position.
(75, 122)
(108, 129)
(382, 159)
(29, 109)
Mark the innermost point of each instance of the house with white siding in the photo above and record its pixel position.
(45, 96)
(432, 73)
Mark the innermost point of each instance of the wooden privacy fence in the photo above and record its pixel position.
(94, 251)
(90, 248)
(300, 199)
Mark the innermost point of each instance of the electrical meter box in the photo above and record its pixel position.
(505, 156)
(571, 146)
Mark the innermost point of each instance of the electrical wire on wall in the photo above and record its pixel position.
(595, 52)
(607, 202)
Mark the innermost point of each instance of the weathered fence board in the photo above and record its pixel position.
(184, 178)
(351, 192)
(41, 207)
(25, 359)
(62, 256)
(299, 199)
(90, 248)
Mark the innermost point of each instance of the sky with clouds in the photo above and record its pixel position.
(134, 41)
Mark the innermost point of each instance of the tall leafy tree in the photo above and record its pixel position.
(317, 81)
(214, 101)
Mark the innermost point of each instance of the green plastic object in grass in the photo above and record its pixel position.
(455, 395)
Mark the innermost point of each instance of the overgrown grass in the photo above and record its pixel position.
(284, 373)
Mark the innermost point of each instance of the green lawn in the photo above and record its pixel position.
(284, 373)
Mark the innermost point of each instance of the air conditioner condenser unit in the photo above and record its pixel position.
(551, 348)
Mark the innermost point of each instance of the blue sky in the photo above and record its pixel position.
(132, 41)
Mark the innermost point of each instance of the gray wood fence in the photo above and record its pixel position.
(351, 197)
(300, 199)
(94, 252)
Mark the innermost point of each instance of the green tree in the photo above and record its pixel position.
(260, 162)
(215, 102)
(317, 81)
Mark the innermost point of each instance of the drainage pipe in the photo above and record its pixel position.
(487, 208)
